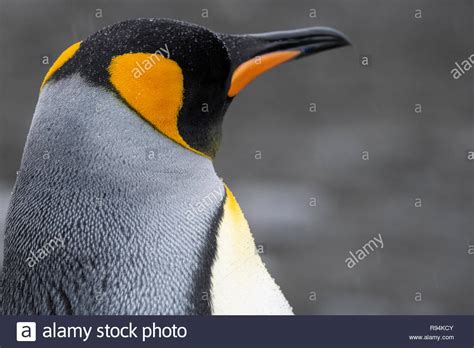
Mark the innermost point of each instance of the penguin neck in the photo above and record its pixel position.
(89, 129)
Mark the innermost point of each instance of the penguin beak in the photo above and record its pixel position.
(253, 54)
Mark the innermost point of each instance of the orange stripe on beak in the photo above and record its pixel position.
(249, 70)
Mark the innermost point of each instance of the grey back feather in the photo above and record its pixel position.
(134, 211)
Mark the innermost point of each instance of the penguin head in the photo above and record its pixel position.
(181, 77)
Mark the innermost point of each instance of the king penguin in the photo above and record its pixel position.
(117, 208)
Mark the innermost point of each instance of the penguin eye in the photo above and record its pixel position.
(152, 85)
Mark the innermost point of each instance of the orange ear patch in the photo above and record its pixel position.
(249, 70)
(153, 86)
(62, 59)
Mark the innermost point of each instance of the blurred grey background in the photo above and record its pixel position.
(307, 155)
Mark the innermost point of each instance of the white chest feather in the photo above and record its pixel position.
(240, 282)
